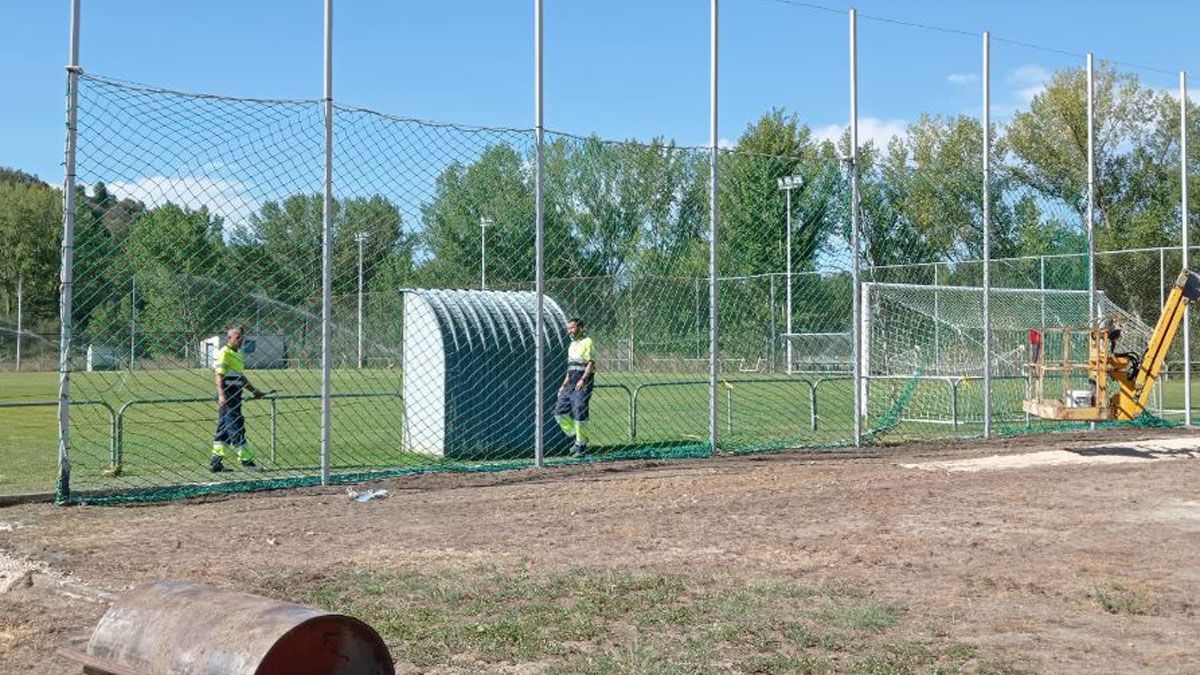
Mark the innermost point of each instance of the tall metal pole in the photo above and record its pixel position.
(1183, 208)
(987, 236)
(484, 222)
(360, 238)
(854, 234)
(20, 320)
(1091, 187)
(714, 230)
(327, 260)
(539, 451)
(66, 273)
(788, 321)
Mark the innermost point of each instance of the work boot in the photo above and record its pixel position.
(578, 450)
(249, 465)
(215, 465)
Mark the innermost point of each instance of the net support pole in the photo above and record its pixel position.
(327, 258)
(539, 273)
(1091, 193)
(714, 229)
(856, 277)
(1183, 209)
(987, 238)
(67, 269)
(1091, 188)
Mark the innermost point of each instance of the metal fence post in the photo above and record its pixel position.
(937, 322)
(987, 239)
(359, 238)
(1042, 285)
(539, 450)
(20, 320)
(773, 334)
(327, 259)
(66, 273)
(1187, 320)
(132, 321)
(714, 222)
(854, 234)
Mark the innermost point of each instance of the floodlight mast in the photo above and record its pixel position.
(484, 224)
(787, 184)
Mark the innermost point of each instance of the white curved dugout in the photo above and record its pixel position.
(469, 364)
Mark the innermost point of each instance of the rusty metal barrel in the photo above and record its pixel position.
(181, 627)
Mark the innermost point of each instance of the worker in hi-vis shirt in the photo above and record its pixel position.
(571, 410)
(230, 364)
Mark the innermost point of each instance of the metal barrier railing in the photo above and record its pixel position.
(112, 415)
(272, 399)
(637, 390)
(632, 411)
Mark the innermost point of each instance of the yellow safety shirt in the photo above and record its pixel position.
(229, 362)
(580, 352)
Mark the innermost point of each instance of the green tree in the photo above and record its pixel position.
(499, 187)
(1132, 188)
(185, 289)
(30, 233)
(754, 210)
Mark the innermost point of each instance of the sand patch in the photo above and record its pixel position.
(1185, 447)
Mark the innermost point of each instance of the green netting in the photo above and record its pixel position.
(201, 212)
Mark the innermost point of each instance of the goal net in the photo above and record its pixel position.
(819, 353)
(923, 353)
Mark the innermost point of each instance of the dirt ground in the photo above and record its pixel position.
(1081, 567)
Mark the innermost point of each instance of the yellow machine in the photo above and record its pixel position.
(1119, 383)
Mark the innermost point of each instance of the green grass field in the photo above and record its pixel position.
(168, 443)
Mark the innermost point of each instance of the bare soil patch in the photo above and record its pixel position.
(1064, 568)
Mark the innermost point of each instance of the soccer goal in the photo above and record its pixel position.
(818, 353)
(922, 353)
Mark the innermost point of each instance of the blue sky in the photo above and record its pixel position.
(620, 68)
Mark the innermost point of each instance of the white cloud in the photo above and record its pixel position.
(228, 199)
(870, 129)
(962, 78)
(1027, 81)
(725, 144)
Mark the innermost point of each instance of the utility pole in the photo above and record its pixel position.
(484, 224)
(787, 184)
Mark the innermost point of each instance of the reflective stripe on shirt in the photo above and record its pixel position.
(580, 352)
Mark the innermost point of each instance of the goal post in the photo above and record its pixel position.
(923, 346)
